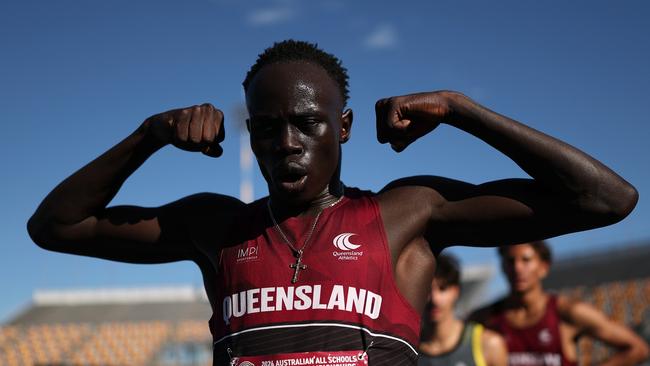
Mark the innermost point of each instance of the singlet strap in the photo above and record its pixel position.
(477, 348)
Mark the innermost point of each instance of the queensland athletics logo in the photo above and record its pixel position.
(545, 336)
(342, 241)
(348, 249)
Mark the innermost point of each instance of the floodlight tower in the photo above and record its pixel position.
(246, 191)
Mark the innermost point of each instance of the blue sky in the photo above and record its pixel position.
(78, 76)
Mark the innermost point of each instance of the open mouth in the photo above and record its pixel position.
(293, 184)
(292, 177)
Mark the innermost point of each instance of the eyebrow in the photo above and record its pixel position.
(302, 114)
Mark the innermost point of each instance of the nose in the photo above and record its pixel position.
(518, 267)
(289, 140)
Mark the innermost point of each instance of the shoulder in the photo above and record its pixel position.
(446, 186)
(492, 341)
(209, 199)
(206, 212)
(433, 187)
(432, 198)
(407, 211)
(494, 347)
(205, 205)
(568, 308)
(405, 191)
(412, 196)
(579, 313)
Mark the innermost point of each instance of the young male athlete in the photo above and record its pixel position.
(317, 266)
(447, 340)
(542, 328)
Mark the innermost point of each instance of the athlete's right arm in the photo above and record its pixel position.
(74, 217)
(629, 348)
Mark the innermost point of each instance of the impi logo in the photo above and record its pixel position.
(342, 241)
(247, 253)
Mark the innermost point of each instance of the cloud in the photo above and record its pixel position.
(384, 36)
(270, 16)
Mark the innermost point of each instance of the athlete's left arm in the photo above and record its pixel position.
(494, 347)
(569, 190)
(630, 348)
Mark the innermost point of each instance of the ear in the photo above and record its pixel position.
(545, 269)
(346, 126)
(456, 290)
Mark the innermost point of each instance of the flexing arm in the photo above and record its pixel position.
(73, 218)
(630, 348)
(570, 191)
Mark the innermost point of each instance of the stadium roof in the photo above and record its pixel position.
(119, 295)
(474, 281)
(119, 305)
(620, 264)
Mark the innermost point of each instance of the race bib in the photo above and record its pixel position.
(337, 358)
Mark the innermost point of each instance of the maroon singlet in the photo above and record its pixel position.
(537, 345)
(346, 299)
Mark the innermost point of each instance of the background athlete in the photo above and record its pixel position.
(447, 340)
(542, 328)
(296, 97)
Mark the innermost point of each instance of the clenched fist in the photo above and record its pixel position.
(402, 120)
(196, 128)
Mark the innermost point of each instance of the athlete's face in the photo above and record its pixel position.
(296, 127)
(523, 267)
(443, 300)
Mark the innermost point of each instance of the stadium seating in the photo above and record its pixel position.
(106, 344)
(624, 301)
(176, 333)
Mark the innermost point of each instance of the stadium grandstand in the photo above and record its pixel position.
(616, 281)
(166, 326)
(163, 326)
(475, 281)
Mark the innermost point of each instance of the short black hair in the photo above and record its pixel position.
(292, 50)
(539, 246)
(447, 271)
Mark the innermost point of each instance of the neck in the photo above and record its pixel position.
(444, 329)
(326, 198)
(444, 335)
(533, 298)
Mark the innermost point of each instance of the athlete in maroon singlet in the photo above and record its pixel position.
(315, 267)
(537, 344)
(346, 298)
(541, 329)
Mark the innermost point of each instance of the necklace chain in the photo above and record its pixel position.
(298, 252)
(298, 266)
